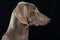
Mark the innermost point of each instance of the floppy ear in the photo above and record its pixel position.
(21, 13)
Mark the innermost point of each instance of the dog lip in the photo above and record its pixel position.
(36, 24)
(43, 24)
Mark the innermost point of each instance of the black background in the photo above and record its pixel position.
(50, 8)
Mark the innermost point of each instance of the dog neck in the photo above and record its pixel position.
(16, 28)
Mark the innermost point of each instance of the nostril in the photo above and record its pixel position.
(49, 19)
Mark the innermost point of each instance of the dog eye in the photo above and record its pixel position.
(32, 13)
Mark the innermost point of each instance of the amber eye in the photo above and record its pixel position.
(32, 13)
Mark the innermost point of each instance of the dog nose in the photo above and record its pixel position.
(45, 21)
(49, 19)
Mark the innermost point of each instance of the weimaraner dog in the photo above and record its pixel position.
(24, 15)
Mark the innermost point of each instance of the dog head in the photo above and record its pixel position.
(28, 13)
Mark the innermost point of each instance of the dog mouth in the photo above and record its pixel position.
(42, 23)
(39, 24)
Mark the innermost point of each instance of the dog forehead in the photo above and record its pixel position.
(22, 3)
(26, 3)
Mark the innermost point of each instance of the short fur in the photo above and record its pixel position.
(24, 15)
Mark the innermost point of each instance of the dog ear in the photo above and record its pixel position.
(21, 13)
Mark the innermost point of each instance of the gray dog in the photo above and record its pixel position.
(24, 15)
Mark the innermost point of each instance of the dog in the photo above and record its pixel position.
(24, 15)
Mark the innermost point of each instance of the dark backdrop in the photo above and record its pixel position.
(50, 8)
